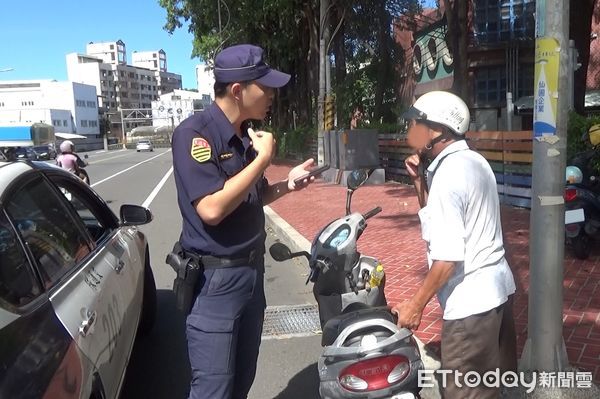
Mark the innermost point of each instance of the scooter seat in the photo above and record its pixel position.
(353, 313)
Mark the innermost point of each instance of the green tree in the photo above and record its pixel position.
(367, 57)
(364, 51)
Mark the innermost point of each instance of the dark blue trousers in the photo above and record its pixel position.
(224, 330)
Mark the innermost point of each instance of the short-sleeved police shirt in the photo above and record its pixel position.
(206, 153)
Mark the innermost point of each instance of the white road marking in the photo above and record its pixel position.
(161, 183)
(109, 158)
(129, 168)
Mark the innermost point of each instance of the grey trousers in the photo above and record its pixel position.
(482, 342)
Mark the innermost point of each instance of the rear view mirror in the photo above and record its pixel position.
(280, 252)
(135, 215)
(357, 178)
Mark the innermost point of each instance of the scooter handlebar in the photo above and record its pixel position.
(372, 212)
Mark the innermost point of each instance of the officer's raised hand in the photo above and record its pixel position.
(299, 171)
(263, 143)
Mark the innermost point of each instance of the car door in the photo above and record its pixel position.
(79, 276)
(38, 358)
(115, 246)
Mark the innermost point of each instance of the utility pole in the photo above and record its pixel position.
(323, 40)
(545, 347)
(123, 130)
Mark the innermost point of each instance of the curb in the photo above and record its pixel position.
(297, 242)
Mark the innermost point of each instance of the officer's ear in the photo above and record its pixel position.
(236, 90)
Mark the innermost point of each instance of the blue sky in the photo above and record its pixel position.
(37, 34)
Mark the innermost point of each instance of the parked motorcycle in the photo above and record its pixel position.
(365, 354)
(582, 204)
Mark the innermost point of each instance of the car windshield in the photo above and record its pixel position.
(144, 142)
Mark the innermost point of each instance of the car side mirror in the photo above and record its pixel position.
(135, 215)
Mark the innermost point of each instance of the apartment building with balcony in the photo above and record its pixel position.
(120, 85)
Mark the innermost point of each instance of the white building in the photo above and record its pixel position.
(172, 108)
(206, 79)
(70, 107)
(108, 52)
(118, 84)
(154, 60)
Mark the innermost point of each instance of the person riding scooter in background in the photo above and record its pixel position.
(460, 222)
(70, 161)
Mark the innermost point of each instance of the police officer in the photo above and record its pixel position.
(219, 166)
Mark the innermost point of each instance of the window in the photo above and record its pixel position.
(1, 104)
(503, 20)
(112, 56)
(91, 104)
(65, 122)
(525, 80)
(18, 285)
(490, 85)
(97, 223)
(84, 123)
(45, 224)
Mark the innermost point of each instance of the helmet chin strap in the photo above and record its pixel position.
(426, 151)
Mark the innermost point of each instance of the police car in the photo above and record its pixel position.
(76, 285)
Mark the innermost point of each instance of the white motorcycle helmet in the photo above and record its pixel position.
(67, 146)
(573, 175)
(441, 107)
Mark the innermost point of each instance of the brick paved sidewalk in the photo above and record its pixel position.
(393, 236)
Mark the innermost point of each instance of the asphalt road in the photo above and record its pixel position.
(159, 366)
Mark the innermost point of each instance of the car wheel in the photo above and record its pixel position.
(148, 315)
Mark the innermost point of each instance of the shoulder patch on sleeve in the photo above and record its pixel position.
(200, 149)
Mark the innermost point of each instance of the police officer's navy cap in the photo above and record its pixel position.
(243, 63)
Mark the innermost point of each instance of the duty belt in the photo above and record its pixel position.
(218, 262)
